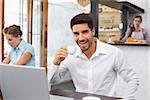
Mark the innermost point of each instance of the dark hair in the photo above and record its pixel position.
(14, 30)
(6, 30)
(81, 19)
(138, 16)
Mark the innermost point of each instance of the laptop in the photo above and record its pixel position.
(18, 82)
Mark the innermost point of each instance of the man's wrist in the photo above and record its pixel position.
(56, 62)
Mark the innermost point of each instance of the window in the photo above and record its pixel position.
(15, 12)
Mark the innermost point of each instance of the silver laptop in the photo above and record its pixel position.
(23, 83)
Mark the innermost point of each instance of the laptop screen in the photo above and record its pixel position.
(23, 82)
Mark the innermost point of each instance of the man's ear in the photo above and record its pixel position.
(93, 31)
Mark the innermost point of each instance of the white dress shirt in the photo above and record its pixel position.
(98, 74)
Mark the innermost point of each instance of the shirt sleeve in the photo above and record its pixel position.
(128, 75)
(126, 35)
(146, 36)
(56, 72)
(30, 49)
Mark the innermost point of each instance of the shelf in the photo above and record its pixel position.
(132, 8)
(109, 31)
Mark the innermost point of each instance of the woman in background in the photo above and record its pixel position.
(21, 53)
(135, 31)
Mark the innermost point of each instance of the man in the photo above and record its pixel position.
(94, 66)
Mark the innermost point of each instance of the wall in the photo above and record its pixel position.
(148, 24)
(138, 57)
(148, 14)
(0, 30)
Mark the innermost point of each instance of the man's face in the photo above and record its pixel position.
(83, 36)
(137, 22)
(13, 41)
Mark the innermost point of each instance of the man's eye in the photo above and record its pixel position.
(85, 31)
(76, 33)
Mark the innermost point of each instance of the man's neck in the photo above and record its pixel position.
(137, 28)
(91, 51)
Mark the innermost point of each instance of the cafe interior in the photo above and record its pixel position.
(46, 26)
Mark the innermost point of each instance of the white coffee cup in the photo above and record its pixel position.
(91, 98)
(71, 49)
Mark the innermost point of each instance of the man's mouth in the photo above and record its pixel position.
(82, 43)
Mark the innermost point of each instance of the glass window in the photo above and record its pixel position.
(15, 12)
(36, 29)
(59, 16)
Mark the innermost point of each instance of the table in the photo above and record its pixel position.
(72, 95)
(56, 97)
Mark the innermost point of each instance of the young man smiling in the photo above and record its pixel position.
(94, 66)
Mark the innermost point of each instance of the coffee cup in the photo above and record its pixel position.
(91, 98)
(71, 49)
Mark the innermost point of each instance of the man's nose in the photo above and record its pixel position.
(81, 37)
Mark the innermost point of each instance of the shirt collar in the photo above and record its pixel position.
(20, 45)
(100, 47)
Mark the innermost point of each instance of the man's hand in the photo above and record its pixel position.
(61, 54)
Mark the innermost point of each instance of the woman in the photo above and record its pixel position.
(135, 31)
(21, 53)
